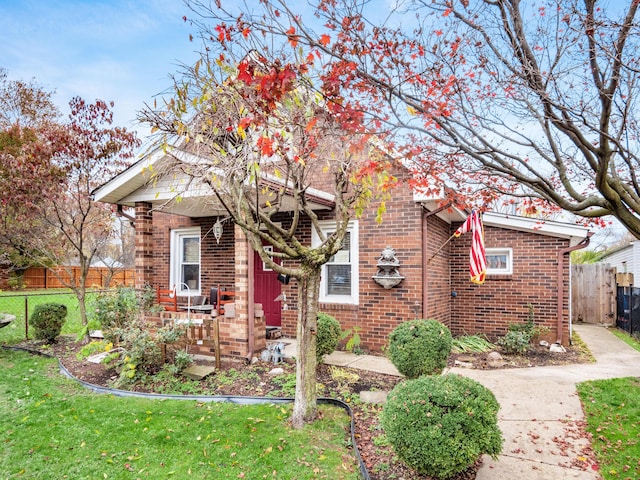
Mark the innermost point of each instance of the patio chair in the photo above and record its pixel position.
(222, 298)
(168, 299)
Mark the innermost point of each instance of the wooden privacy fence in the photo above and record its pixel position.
(60, 277)
(593, 293)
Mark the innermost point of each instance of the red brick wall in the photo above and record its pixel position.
(218, 267)
(438, 281)
(503, 300)
(379, 310)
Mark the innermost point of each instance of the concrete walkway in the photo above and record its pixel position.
(540, 412)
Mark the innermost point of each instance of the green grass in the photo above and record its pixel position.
(612, 409)
(52, 428)
(626, 338)
(14, 303)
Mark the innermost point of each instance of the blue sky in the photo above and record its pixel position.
(120, 50)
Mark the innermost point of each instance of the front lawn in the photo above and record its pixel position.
(50, 427)
(612, 409)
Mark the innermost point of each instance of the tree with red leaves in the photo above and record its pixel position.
(528, 102)
(48, 169)
(265, 142)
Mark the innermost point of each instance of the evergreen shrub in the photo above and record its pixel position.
(420, 347)
(47, 320)
(440, 425)
(328, 335)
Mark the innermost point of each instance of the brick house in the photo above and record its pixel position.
(528, 259)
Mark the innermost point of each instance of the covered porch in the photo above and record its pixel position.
(185, 242)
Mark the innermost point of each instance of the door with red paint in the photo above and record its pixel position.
(266, 289)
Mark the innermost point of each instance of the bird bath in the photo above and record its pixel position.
(6, 319)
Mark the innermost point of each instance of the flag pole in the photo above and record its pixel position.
(441, 247)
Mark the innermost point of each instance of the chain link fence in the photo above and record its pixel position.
(21, 305)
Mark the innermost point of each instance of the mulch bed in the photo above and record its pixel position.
(255, 380)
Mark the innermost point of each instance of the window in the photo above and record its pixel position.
(339, 283)
(499, 261)
(185, 261)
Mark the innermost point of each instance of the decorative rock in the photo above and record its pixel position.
(494, 360)
(96, 334)
(377, 397)
(276, 371)
(544, 343)
(557, 348)
(466, 358)
(100, 356)
(462, 364)
(254, 360)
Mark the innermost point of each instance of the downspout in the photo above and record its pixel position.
(250, 301)
(582, 244)
(425, 254)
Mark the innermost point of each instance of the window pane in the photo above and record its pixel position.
(191, 250)
(191, 276)
(344, 254)
(497, 262)
(338, 279)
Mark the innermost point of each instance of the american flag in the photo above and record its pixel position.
(477, 258)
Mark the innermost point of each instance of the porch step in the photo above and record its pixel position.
(273, 333)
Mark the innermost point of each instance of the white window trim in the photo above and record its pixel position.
(352, 299)
(508, 270)
(174, 267)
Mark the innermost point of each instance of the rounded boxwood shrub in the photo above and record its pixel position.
(328, 335)
(47, 320)
(440, 425)
(420, 347)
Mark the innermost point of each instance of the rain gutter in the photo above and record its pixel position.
(560, 283)
(251, 307)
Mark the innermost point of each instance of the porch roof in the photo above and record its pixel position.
(180, 193)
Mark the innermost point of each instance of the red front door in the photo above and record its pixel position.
(266, 289)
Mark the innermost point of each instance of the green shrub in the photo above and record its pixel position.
(182, 360)
(143, 352)
(47, 320)
(328, 336)
(518, 338)
(420, 347)
(515, 342)
(115, 308)
(440, 425)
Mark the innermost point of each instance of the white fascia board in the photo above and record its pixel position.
(575, 233)
(133, 184)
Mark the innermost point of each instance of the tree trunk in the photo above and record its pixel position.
(305, 403)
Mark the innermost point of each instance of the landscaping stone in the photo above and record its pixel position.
(276, 371)
(99, 357)
(198, 372)
(461, 364)
(378, 397)
(495, 360)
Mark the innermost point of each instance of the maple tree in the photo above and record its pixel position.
(48, 169)
(30, 141)
(529, 102)
(268, 145)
